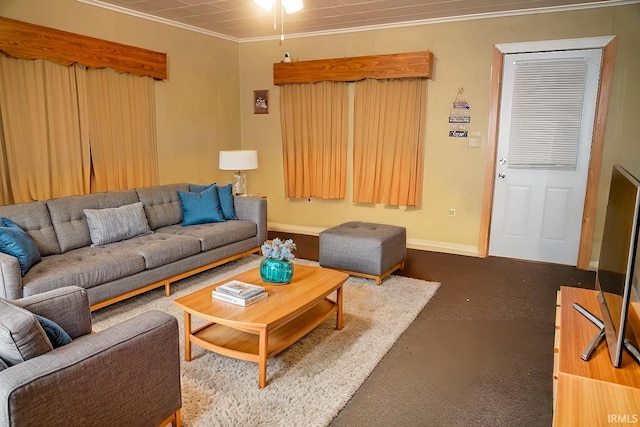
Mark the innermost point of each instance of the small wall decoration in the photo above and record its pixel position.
(261, 101)
(459, 115)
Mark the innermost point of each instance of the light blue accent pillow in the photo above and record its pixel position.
(16, 242)
(200, 208)
(55, 333)
(225, 197)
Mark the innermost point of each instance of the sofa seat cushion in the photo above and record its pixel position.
(84, 267)
(215, 235)
(160, 249)
(21, 336)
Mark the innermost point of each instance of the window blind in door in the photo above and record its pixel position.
(546, 119)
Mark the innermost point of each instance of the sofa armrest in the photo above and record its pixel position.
(68, 307)
(10, 277)
(126, 375)
(253, 209)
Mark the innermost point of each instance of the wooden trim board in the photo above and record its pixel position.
(28, 41)
(391, 66)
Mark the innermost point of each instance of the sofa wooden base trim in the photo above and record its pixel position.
(378, 279)
(174, 419)
(168, 281)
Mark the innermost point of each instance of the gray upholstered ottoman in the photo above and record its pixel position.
(364, 249)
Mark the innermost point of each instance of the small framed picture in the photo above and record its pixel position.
(261, 101)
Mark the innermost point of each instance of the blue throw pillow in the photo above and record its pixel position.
(200, 208)
(225, 195)
(55, 333)
(198, 188)
(16, 242)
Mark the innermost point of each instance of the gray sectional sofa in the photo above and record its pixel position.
(115, 271)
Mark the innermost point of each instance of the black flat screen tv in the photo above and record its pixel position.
(618, 271)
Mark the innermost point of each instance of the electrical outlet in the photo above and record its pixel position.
(475, 139)
(452, 212)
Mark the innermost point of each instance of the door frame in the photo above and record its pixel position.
(608, 44)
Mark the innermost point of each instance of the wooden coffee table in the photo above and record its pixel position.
(265, 328)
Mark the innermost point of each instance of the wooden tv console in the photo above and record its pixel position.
(590, 393)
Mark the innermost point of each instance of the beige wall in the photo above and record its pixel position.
(197, 108)
(206, 106)
(454, 173)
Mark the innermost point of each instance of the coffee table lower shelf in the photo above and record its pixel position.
(247, 343)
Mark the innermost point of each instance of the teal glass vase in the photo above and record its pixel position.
(277, 271)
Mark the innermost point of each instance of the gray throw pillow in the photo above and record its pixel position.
(114, 224)
(21, 336)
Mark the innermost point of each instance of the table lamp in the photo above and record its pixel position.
(238, 160)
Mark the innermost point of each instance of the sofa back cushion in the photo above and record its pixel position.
(68, 217)
(34, 219)
(162, 204)
(21, 335)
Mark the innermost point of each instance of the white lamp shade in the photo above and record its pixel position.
(238, 160)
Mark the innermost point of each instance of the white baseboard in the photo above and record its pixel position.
(297, 229)
(419, 244)
(446, 247)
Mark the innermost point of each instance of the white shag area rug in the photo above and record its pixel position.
(307, 384)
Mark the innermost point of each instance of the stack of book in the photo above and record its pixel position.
(239, 293)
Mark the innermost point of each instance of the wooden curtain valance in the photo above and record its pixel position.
(392, 66)
(29, 41)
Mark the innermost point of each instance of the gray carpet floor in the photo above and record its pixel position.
(479, 354)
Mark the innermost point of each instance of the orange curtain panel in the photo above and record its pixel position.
(388, 139)
(314, 120)
(68, 130)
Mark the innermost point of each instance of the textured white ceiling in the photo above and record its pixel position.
(243, 19)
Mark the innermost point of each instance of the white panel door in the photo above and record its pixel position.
(544, 141)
